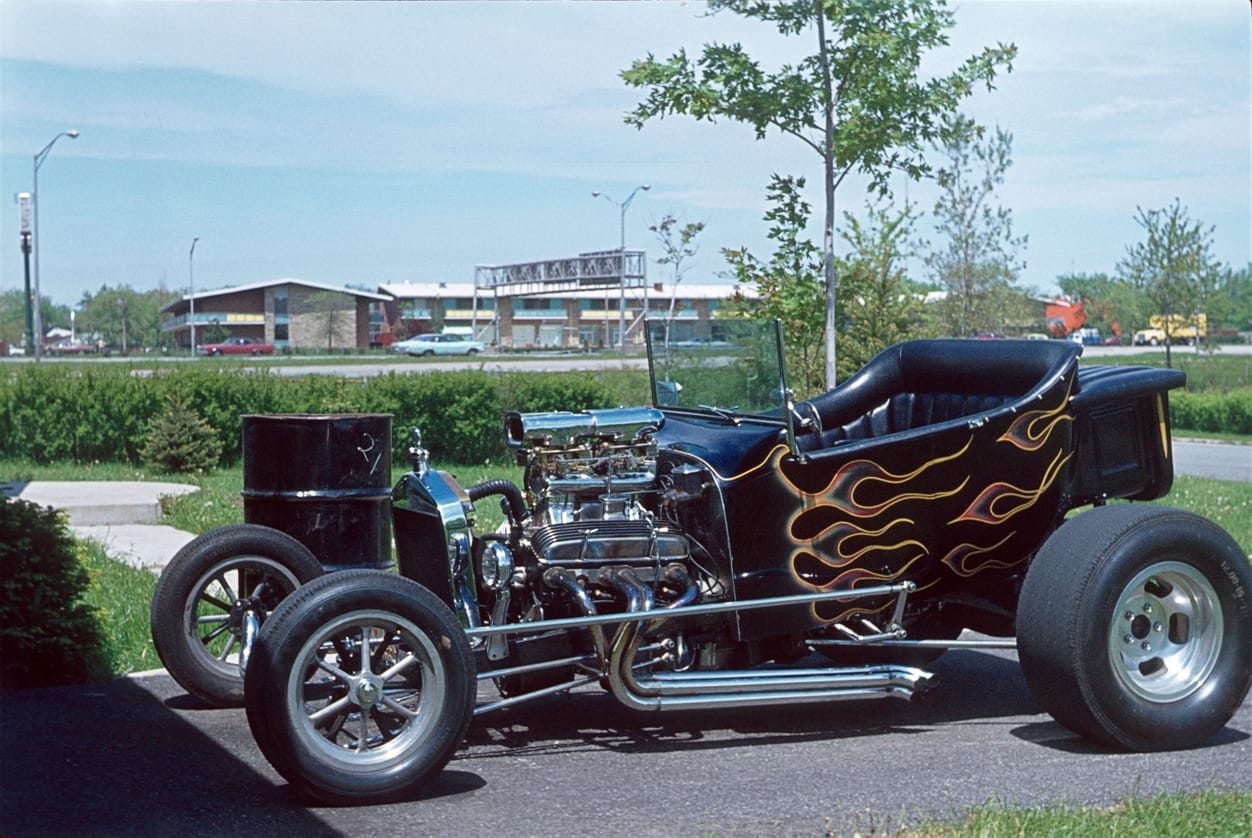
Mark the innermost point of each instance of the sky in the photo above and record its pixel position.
(374, 143)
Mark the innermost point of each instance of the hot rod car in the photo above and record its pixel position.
(728, 547)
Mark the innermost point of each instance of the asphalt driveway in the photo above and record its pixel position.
(139, 757)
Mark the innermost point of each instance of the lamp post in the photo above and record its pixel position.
(621, 305)
(34, 192)
(191, 280)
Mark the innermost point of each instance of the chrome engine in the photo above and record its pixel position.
(590, 482)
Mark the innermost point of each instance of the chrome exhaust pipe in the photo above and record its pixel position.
(754, 687)
(565, 580)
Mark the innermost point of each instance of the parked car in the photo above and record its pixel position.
(237, 346)
(445, 344)
(701, 554)
(77, 347)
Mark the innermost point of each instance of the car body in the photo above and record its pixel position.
(727, 546)
(441, 344)
(237, 346)
(75, 347)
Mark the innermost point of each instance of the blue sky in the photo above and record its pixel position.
(372, 143)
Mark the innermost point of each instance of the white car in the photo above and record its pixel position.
(438, 345)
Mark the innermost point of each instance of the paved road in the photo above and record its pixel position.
(1217, 460)
(139, 757)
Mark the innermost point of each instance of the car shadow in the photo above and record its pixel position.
(118, 759)
(968, 686)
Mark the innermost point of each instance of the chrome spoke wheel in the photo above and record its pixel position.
(367, 690)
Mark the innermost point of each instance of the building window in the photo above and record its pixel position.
(280, 303)
(280, 333)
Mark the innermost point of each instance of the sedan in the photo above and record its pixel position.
(438, 345)
(237, 346)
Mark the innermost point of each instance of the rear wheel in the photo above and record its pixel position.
(361, 686)
(213, 595)
(1135, 627)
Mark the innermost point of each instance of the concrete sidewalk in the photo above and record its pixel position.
(123, 516)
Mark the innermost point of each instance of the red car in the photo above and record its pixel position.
(236, 346)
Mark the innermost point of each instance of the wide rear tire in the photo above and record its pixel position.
(209, 591)
(347, 727)
(1134, 627)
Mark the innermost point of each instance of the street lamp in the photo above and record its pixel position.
(191, 280)
(34, 192)
(621, 305)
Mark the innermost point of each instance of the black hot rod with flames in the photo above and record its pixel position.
(728, 547)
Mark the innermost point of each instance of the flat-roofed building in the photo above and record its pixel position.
(289, 313)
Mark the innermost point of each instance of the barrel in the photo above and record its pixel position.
(324, 480)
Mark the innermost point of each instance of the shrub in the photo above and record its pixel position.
(1212, 411)
(48, 636)
(181, 440)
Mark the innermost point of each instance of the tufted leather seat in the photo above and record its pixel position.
(926, 382)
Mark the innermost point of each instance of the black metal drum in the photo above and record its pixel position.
(324, 480)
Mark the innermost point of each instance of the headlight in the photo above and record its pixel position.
(497, 566)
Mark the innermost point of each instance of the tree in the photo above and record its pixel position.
(677, 245)
(978, 265)
(859, 102)
(880, 304)
(117, 313)
(789, 286)
(1173, 266)
(1231, 305)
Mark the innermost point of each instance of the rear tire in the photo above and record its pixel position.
(204, 595)
(1134, 627)
(343, 727)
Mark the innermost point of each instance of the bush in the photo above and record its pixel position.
(180, 440)
(63, 413)
(1212, 411)
(48, 636)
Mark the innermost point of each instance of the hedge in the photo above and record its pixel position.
(1210, 411)
(59, 413)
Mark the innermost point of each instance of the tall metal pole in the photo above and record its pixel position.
(621, 305)
(23, 213)
(191, 280)
(34, 192)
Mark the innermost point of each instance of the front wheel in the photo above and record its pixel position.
(1134, 627)
(213, 594)
(361, 686)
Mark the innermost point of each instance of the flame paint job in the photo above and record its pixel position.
(938, 505)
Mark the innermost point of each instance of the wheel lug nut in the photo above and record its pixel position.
(1157, 627)
(1147, 608)
(1147, 647)
(1128, 639)
(1130, 615)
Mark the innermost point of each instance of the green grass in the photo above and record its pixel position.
(1225, 502)
(1205, 371)
(122, 595)
(1211, 813)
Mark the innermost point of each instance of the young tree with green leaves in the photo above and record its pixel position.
(880, 304)
(1172, 266)
(790, 286)
(678, 244)
(978, 262)
(860, 101)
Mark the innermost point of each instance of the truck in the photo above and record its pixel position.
(1182, 329)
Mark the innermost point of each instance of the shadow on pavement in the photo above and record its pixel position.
(113, 759)
(969, 686)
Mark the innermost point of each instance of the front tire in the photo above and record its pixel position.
(1134, 627)
(207, 594)
(346, 727)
